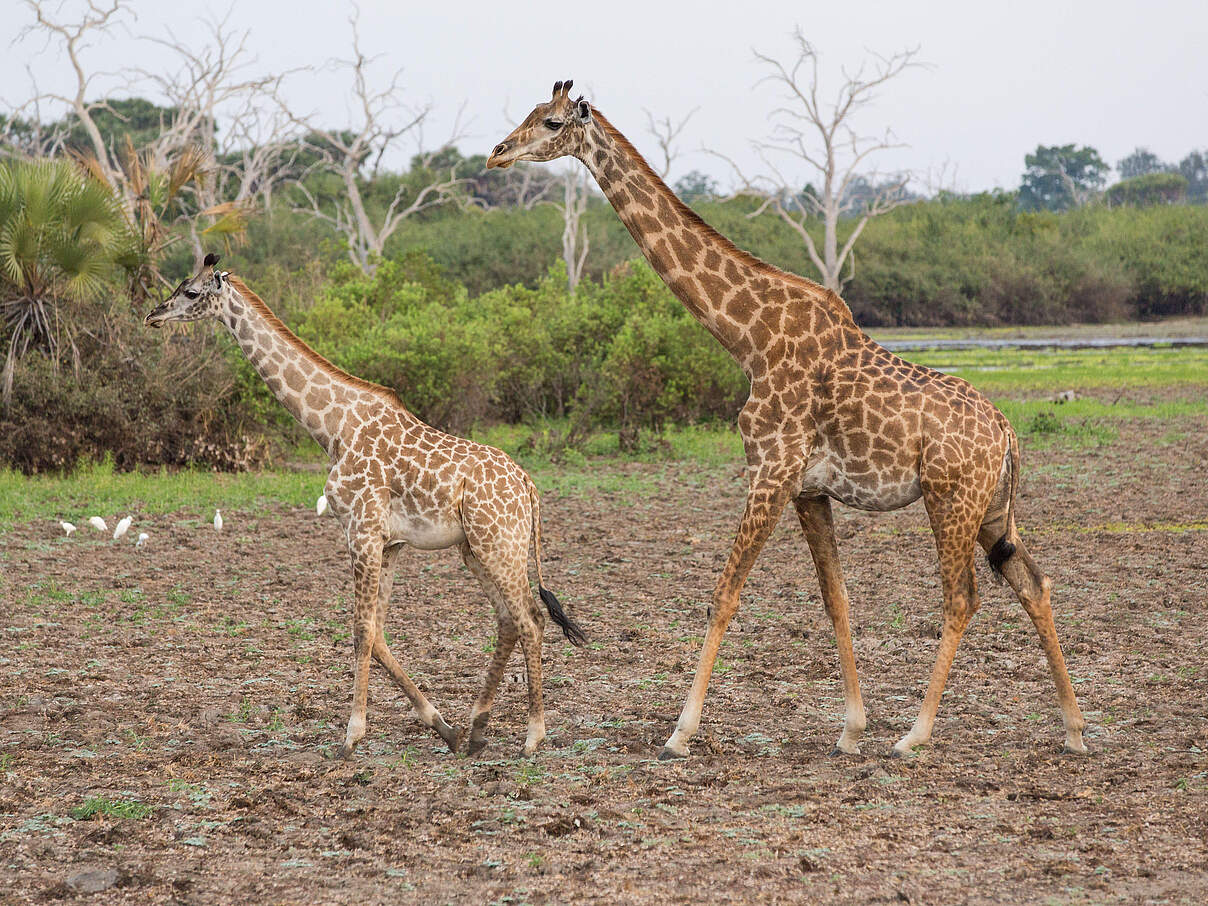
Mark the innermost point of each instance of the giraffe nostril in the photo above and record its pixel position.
(500, 148)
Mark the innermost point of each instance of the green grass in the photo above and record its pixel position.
(1011, 371)
(110, 808)
(1019, 381)
(100, 490)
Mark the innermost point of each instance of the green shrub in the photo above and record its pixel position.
(140, 396)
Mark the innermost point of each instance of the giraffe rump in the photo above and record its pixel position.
(569, 627)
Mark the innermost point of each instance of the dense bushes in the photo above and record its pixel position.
(622, 352)
(136, 395)
(981, 261)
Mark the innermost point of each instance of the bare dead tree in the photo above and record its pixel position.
(73, 35)
(214, 177)
(940, 180)
(250, 155)
(576, 190)
(521, 186)
(384, 122)
(821, 136)
(666, 134)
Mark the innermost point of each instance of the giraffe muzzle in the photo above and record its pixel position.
(156, 317)
(494, 161)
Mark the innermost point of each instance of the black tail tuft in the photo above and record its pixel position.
(1000, 553)
(570, 628)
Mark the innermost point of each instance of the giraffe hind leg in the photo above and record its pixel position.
(1034, 590)
(954, 538)
(505, 568)
(428, 714)
(507, 636)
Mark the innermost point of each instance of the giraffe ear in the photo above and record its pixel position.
(583, 111)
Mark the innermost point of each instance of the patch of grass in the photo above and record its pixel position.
(1008, 370)
(100, 489)
(126, 809)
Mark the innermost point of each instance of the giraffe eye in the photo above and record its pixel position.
(191, 294)
(554, 125)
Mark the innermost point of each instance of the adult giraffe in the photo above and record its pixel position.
(831, 415)
(393, 481)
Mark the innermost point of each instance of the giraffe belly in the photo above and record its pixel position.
(867, 491)
(426, 531)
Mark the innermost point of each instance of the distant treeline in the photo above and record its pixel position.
(951, 260)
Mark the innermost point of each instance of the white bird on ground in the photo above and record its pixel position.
(67, 527)
(98, 523)
(218, 520)
(123, 525)
(321, 505)
(142, 538)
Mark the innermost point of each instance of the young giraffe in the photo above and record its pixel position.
(393, 481)
(831, 415)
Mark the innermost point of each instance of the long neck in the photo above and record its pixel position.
(317, 393)
(737, 297)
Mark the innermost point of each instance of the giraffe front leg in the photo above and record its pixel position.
(765, 503)
(428, 714)
(366, 547)
(818, 524)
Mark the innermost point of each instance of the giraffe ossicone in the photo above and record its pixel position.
(832, 415)
(396, 481)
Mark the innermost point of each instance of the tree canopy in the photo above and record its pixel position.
(1060, 177)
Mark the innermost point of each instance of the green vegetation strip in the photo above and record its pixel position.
(598, 466)
(1001, 371)
(98, 490)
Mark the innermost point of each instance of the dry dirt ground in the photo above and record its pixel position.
(199, 687)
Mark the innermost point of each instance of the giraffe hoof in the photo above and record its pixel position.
(346, 751)
(1070, 750)
(475, 746)
(451, 735)
(837, 752)
(667, 754)
(895, 752)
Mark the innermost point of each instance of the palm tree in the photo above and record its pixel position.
(60, 230)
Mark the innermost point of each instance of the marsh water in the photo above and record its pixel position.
(907, 344)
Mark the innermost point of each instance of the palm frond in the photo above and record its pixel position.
(190, 165)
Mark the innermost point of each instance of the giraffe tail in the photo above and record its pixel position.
(574, 634)
(1002, 550)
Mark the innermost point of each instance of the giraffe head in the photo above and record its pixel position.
(196, 298)
(554, 129)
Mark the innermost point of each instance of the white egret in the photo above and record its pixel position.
(98, 523)
(218, 520)
(142, 538)
(68, 528)
(123, 525)
(321, 505)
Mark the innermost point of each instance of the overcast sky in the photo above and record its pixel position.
(1001, 77)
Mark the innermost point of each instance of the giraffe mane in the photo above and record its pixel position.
(691, 216)
(304, 349)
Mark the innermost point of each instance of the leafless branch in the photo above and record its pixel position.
(382, 120)
(666, 132)
(820, 135)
